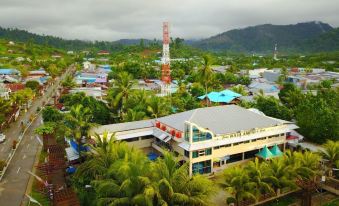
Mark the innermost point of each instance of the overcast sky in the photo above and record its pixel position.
(115, 19)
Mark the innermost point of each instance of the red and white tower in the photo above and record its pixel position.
(165, 67)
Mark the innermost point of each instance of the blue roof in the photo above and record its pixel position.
(74, 145)
(225, 96)
(9, 71)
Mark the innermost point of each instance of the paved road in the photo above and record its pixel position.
(14, 183)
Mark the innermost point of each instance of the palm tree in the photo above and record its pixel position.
(307, 167)
(237, 181)
(176, 187)
(128, 183)
(331, 154)
(205, 72)
(133, 115)
(260, 175)
(79, 120)
(123, 85)
(68, 82)
(158, 107)
(283, 172)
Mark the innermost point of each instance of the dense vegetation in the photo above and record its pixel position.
(302, 37)
(262, 38)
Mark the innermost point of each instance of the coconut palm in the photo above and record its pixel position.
(79, 120)
(331, 153)
(175, 185)
(100, 158)
(133, 115)
(123, 87)
(307, 167)
(260, 175)
(68, 82)
(205, 72)
(128, 183)
(283, 172)
(237, 181)
(158, 107)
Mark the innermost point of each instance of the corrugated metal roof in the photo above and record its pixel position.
(124, 126)
(220, 119)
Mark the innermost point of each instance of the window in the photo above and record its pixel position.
(282, 134)
(253, 140)
(262, 138)
(203, 152)
(187, 132)
(200, 136)
(195, 154)
(217, 147)
(237, 143)
(147, 137)
(131, 139)
(246, 142)
(227, 145)
(235, 158)
(187, 153)
(202, 167)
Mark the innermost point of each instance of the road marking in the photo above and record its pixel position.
(18, 170)
(31, 137)
(28, 146)
(24, 157)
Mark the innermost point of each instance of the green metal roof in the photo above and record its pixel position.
(276, 151)
(265, 153)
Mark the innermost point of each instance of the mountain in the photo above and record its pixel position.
(302, 37)
(25, 36)
(262, 38)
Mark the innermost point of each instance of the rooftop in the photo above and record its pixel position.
(124, 126)
(221, 119)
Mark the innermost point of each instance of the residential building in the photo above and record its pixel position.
(223, 97)
(271, 76)
(262, 86)
(209, 138)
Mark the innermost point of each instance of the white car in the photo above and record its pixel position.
(2, 137)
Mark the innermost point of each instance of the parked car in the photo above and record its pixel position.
(2, 137)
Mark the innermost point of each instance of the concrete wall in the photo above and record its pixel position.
(141, 143)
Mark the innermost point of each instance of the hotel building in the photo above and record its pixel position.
(209, 138)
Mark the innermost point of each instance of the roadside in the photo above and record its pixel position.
(14, 183)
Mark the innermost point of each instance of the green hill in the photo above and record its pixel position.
(262, 38)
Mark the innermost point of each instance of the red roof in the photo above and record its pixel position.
(15, 87)
(103, 52)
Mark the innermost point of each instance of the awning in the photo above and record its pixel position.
(276, 151)
(163, 136)
(71, 154)
(265, 153)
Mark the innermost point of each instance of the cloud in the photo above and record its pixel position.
(116, 19)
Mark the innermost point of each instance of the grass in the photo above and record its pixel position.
(42, 199)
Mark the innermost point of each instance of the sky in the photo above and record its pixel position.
(189, 19)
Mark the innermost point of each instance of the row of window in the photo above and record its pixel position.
(202, 167)
(138, 138)
(248, 141)
(199, 153)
